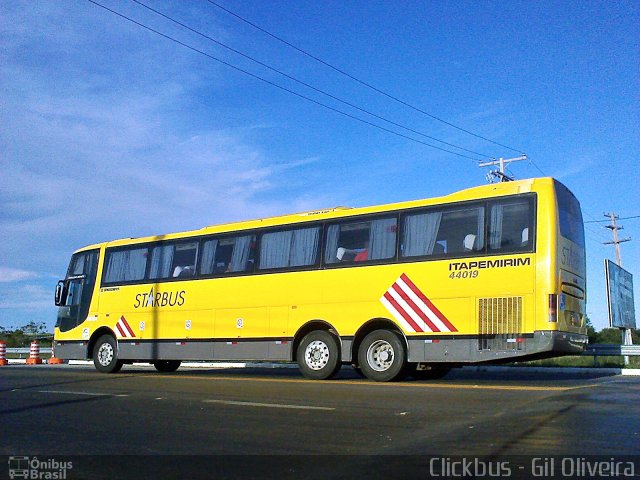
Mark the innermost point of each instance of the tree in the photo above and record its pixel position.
(34, 328)
(591, 332)
(24, 335)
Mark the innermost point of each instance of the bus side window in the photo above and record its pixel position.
(228, 255)
(126, 265)
(510, 225)
(289, 248)
(443, 232)
(358, 242)
(173, 260)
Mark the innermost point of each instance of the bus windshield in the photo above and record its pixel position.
(571, 226)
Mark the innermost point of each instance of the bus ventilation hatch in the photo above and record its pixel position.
(499, 323)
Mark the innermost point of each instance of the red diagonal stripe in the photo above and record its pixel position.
(127, 326)
(402, 312)
(428, 303)
(415, 308)
(119, 327)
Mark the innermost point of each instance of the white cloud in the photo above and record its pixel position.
(8, 275)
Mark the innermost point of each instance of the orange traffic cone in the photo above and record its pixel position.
(54, 360)
(34, 354)
(3, 354)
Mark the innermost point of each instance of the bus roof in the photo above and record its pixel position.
(483, 191)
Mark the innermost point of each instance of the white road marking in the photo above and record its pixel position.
(91, 394)
(269, 405)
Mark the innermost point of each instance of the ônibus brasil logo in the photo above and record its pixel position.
(34, 468)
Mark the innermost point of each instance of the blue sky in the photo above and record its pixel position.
(110, 131)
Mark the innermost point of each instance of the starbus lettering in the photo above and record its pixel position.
(499, 263)
(572, 259)
(160, 299)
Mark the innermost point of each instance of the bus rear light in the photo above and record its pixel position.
(553, 307)
(520, 340)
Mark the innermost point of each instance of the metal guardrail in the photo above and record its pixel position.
(598, 350)
(607, 350)
(25, 351)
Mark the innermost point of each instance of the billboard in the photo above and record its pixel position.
(622, 312)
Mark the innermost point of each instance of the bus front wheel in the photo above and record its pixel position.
(105, 355)
(318, 355)
(167, 366)
(382, 356)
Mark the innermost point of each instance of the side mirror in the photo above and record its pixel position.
(60, 290)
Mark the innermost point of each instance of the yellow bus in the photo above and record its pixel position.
(489, 274)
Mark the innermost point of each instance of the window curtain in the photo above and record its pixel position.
(332, 244)
(495, 232)
(126, 265)
(382, 238)
(275, 249)
(480, 233)
(161, 260)
(420, 233)
(240, 255)
(208, 257)
(304, 247)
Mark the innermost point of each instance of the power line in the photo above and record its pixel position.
(617, 218)
(362, 82)
(273, 84)
(531, 162)
(290, 77)
(598, 233)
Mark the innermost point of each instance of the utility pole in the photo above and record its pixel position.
(614, 229)
(626, 332)
(502, 163)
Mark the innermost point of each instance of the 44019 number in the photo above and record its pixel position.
(464, 274)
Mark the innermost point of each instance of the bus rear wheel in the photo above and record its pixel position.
(318, 355)
(382, 356)
(167, 366)
(105, 355)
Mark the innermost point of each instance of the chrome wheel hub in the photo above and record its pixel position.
(380, 355)
(105, 354)
(316, 355)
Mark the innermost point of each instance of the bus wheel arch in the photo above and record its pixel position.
(380, 351)
(94, 338)
(307, 328)
(370, 326)
(317, 350)
(103, 348)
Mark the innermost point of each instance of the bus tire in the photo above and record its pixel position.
(432, 372)
(105, 355)
(318, 355)
(167, 366)
(382, 356)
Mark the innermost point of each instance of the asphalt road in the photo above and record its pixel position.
(68, 411)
